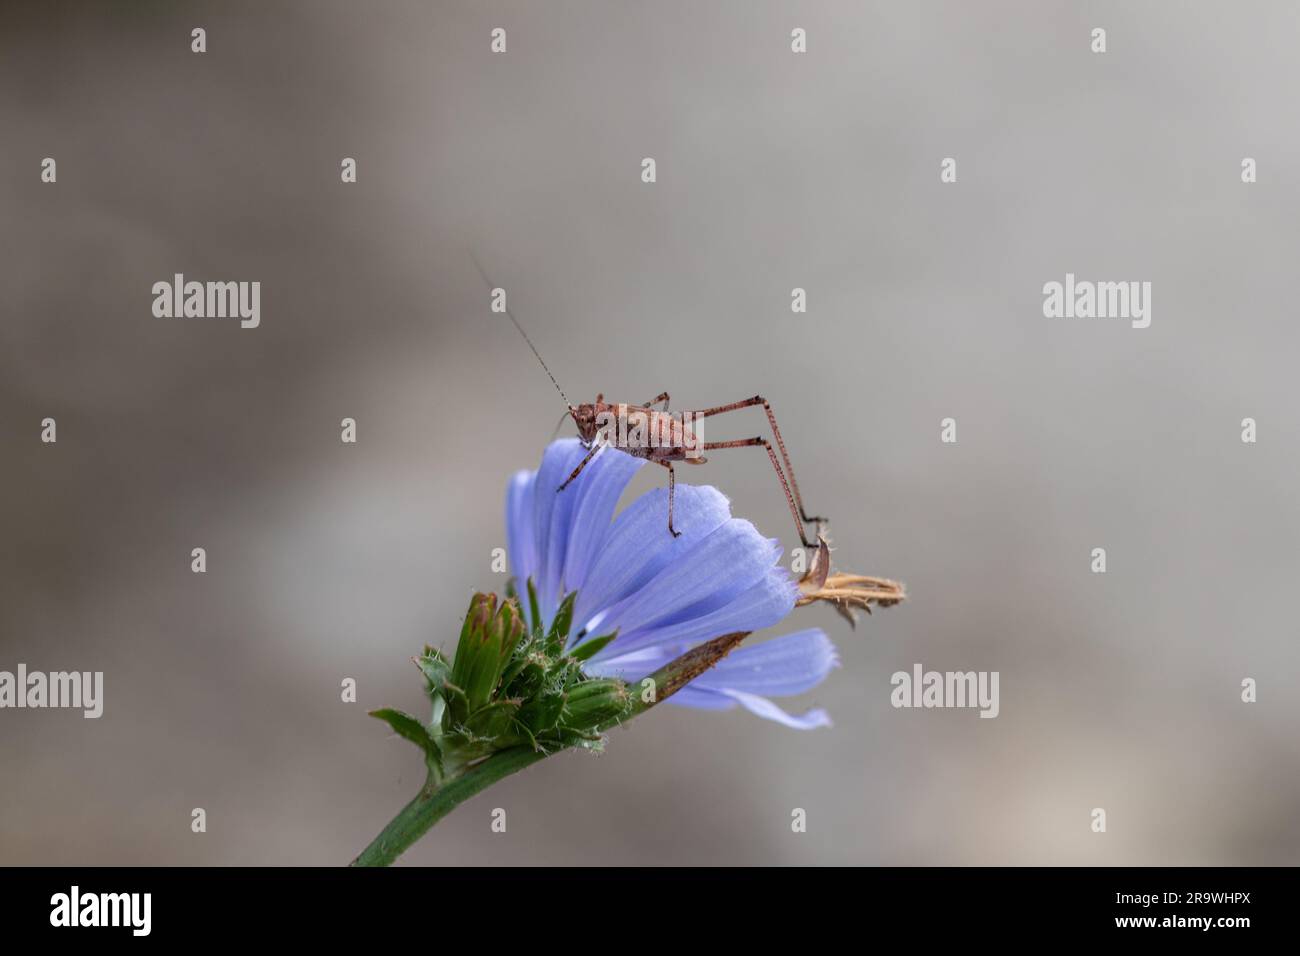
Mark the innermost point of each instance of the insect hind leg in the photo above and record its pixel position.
(780, 443)
(785, 486)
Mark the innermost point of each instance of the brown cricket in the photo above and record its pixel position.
(674, 439)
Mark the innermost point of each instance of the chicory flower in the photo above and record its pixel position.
(661, 595)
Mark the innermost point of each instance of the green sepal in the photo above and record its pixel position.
(523, 650)
(495, 721)
(531, 675)
(541, 714)
(534, 611)
(437, 675)
(587, 649)
(457, 706)
(404, 725)
(436, 671)
(563, 620)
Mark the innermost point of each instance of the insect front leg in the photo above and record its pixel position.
(662, 397)
(672, 486)
(595, 447)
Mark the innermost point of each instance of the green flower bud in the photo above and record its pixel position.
(594, 703)
(487, 643)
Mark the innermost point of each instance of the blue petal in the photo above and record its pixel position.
(729, 561)
(764, 604)
(725, 700)
(551, 512)
(570, 526)
(639, 547)
(688, 696)
(780, 667)
(786, 665)
(596, 494)
(521, 531)
(808, 720)
(554, 536)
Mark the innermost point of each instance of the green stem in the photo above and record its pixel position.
(439, 797)
(434, 802)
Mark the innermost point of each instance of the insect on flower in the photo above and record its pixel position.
(656, 435)
(605, 616)
(617, 618)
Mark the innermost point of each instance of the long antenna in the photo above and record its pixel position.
(520, 328)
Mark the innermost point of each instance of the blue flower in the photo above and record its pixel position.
(663, 595)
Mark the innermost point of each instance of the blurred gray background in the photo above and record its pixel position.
(328, 561)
